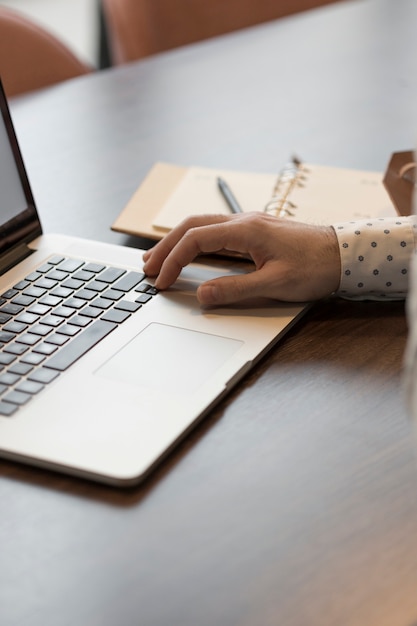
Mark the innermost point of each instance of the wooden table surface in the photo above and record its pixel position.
(294, 502)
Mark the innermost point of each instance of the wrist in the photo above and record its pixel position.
(333, 263)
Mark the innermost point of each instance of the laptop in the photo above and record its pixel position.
(101, 375)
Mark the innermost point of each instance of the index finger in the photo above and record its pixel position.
(157, 255)
(206, 239)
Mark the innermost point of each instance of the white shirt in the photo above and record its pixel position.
(376, 257)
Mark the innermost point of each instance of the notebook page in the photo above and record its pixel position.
(334, 194)
(198, 194)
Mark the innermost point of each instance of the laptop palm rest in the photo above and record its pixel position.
(139, 362)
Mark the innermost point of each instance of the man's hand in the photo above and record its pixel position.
(294, 262)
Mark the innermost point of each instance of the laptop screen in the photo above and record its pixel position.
(19, 222)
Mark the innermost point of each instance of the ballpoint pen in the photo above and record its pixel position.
(228, 196)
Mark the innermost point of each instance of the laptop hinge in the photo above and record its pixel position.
(14, 256)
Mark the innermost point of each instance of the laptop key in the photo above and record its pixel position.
(101, 303)
(10, 293)
(115, 316)
(15, 327)
(83, 275)
(43, 375)
(90, 311)
(7, 378)
(16, 348)
(79, 321)
(27, 318)
(143, 298)
(33, 276)
(97, 286)
(5, 337)
(7, 409)
(128, 281)
(143, 287)
(62, 292)
(68, 330)
(56, 259)
(5, 317)
(70, 265)
(20, 368)
(17, 397)
(85, 294)
(94, 267)
(80, 345)
(50, 300)
(72, 283)
(36, 292)
(52, 320)
(32, 358)
(11, 309)
(23, 300)
(45, 348)
(6, 359)
(29, 386)
(41, 329)
(111, 274)
(43, 269)
(63, 311)
(58, 275)
(113, 294)
(46, 283)
(28, 339)
(127, 305)
(39, 309)
(57, 340)
(74, 303)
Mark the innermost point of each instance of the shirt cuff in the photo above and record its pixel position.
(375, 257)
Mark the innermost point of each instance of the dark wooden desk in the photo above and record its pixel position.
(294, 504)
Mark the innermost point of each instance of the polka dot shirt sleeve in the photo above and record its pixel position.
(375, 257)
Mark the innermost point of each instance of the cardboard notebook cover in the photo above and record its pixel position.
(138, 217)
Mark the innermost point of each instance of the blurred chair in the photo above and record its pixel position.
(32, 58)
(138, 28)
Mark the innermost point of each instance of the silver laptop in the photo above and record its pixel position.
(100, 375)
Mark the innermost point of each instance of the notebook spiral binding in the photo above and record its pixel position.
(293, 174)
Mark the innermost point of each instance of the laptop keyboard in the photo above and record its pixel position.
(54, 316)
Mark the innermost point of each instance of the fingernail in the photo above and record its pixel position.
(208, 294)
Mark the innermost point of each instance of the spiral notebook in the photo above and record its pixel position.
(301, 191)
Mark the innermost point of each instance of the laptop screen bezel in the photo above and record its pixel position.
(25, 225)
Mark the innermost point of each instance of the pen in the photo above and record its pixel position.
(228, 196)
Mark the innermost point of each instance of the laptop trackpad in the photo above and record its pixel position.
(169, 358)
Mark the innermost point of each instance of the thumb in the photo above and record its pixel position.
(226, 290)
